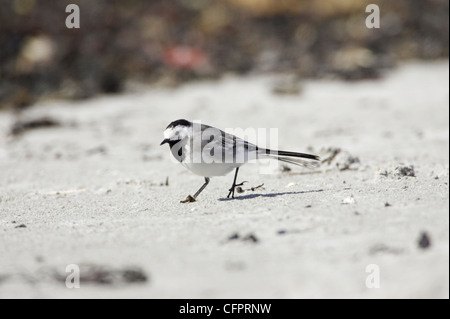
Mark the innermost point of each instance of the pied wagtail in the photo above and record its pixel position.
(208, 151)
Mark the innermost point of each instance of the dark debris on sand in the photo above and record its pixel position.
(22, 126)
(424, 241)
(168, 42)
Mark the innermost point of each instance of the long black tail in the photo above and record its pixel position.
(294, 154)
(302, 159)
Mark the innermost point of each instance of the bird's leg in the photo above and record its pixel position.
(190, 198)
(231, 193)
(202, 188)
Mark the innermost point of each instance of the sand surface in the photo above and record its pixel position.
(92, 192)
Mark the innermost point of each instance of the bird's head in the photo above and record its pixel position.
(176, 132)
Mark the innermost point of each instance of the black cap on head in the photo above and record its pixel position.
(178, 123)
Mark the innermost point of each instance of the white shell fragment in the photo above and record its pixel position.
(348, 200)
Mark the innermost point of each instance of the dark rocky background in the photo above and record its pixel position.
(167, 42)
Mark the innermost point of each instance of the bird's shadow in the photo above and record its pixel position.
(251, 196)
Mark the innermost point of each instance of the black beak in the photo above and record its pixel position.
(164, 141)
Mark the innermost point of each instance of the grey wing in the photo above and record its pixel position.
(219, 146)
(205, 145)
(240, 150)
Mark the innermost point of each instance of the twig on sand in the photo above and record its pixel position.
(240, 190)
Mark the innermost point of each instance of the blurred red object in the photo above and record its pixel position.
(185, 57)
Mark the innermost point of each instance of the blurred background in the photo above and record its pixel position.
(84, 181)
(168, 42)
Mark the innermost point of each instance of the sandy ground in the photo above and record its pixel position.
(93, 192)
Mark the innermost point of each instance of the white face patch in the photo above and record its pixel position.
(176, 133)
(168, 133)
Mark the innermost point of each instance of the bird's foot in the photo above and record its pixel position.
(231, 190)
(189, 199)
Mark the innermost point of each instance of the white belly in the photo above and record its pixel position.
(210, 170)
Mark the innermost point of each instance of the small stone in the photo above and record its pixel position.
(251, 238)
(234, 236)
(405, 171)
(349, 200)
(424, 241)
